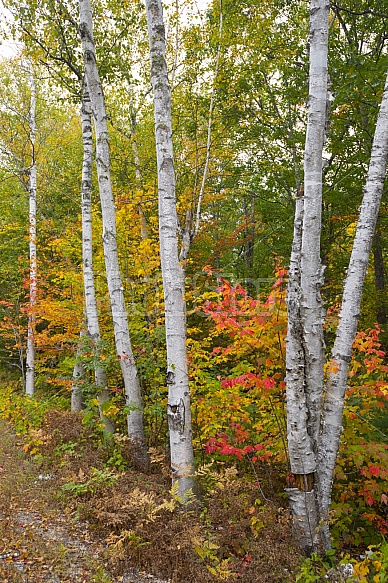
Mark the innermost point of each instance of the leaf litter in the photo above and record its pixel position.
(40, 541)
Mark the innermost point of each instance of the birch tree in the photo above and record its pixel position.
(115, 286)
(305, 345)
(31, 352)
(350, 307)
(178, 408)
(314, 415)
(92, 324)
(66, 59)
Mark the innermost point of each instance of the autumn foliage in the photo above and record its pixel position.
(239, 401)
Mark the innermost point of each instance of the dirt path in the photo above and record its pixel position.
(40, 542)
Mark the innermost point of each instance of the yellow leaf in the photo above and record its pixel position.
(333, 366)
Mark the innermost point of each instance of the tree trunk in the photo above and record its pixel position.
(31, 352)
(350, 308)
(116, 290)
(314, 468)
(250, 246)
(311, 271)
(305, 344)
(378, 260)
(92, 324)
(300, 444)
(178, 408)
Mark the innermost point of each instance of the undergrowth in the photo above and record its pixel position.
(232, 534)
(239, 530)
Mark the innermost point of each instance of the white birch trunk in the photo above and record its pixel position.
(305, 344)
(312, 313)
(351, 301)
(314, 445)
(302, 457)
(87, 257)
(31, 352)
(300, 445)
(92, 323)
(178, 408)
(115, 286)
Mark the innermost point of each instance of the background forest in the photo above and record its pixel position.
(238, 73)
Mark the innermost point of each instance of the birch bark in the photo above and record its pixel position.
(300, 444)
(119, 314)
(305, 344)
(311, 271)
(351, 301)
(31, 353)
(314, 443)
(92, 324)
(178, 408)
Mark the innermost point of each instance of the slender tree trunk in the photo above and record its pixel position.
(87, 258)
(178, 408)
(305, 344)
(300, 444)
(312, 457)
(192, 226)
(92, 324)
(115, 286)
(31, 352)
(381, 287)
(311, 271)
(250, 245)
(350, 309)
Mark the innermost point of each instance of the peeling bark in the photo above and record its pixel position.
(302, 498)
(305, 343)
(300, 445)
(305, 518)
(116, 290)
(92, 324)
(179, 414)
(351, 302)
(313, 446)
(311, 271)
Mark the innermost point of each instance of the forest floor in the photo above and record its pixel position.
(117, 530)
(40, 539)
